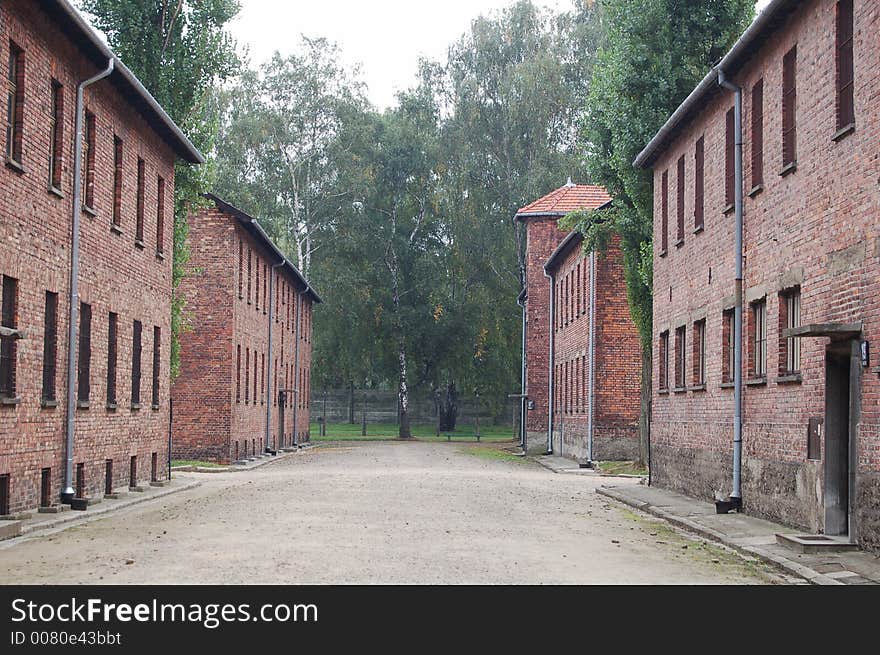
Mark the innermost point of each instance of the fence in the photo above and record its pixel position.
(347, 406)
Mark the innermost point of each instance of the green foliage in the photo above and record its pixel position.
(652, 54)
(180, 50)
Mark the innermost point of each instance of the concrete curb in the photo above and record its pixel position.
(189, 468)
(782, 563)
(73, 518)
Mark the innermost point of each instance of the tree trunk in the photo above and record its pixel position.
(645, 409)
(402, 394)
(448, 408)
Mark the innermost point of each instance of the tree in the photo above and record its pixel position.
(280, 139)
(180, 50)
(653, 53)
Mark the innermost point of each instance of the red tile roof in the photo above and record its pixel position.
(565, 199)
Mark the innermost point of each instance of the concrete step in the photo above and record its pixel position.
(10, 529)
(53, 509)
(815, 543)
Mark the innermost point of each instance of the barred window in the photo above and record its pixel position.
(699, 194)
(789, 317)
(160, 216)
(759, 339)
(89, 161)
(729, 160)
(663, 376)
(680, 343)
(844, 61)
(139, 225)
(789, 107)
(664, 213)
(699, 354)
(727, 346)
(50, 346)
(15, 104)
(85, 353)
(238, 373)
(679, 199)
(8, 337)
(157, 359)
(137, 330)
(112, 357)
(117, 180)
(56, 135)
(758, 133)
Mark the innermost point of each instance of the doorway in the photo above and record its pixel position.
(838, 427)
(282, 398)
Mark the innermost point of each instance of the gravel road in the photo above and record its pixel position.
(386, 512)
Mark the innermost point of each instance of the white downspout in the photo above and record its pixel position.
(592, 347)
(551, 364)
(68, 493)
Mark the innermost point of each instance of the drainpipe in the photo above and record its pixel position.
(523, 399)
(297, 391)
(551, 364)
(736, 494)
(592, 346)
(269, 362)
(68, 493)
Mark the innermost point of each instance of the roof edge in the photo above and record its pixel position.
(249, 221)
(184, 146)
(728, 64)
(572, 239)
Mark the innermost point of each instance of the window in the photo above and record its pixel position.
(133, 472)
(56, 135)
(8, 337)
(45, 487)
(160, 216)
(699, 354)
(240, 267)
(728, 348)
(238, 373)
(117, 181)
(844, 60)
(139, 225)
(680, 200)
(249, 277)
(137, 329)
(257, 287)
(664, 212)
(680, 344)
(247, 375)
(255, 377)
(789, 109)
(758, 134)
(789, 317)
(157, 358)
(663, 382)
(50, 347)
(699, 172)
(759, 339)
(15, 104)
(85, 355)
(729, 161)
(89, 161)
(112, 355)
(265, 285)
(262, 378)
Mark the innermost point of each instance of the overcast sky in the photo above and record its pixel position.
(386, 37)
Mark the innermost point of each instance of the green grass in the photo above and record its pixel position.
(193, 462)
(488, 452)
(621, 468)
(384, 431)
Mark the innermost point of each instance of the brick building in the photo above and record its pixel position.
(808, 196)
(246, 363)
(611, 424)
(115, 410)
(596, 361)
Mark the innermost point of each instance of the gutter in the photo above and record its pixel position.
(729, 63)
(280, 444)
(298, 391)
(551, 362)
(735, 499)
(592, 347)
(521, 301)
(68, 493)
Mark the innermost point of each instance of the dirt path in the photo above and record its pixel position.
(378, 513)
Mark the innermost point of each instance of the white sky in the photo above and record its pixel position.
(386, 37)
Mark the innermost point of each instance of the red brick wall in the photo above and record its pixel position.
(542, 237)
(616, 352)
(202, 410)
(211, 421)
(816, 228)
(115, 275)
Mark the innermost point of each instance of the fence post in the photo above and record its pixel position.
(364, 418)
(477, 426)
